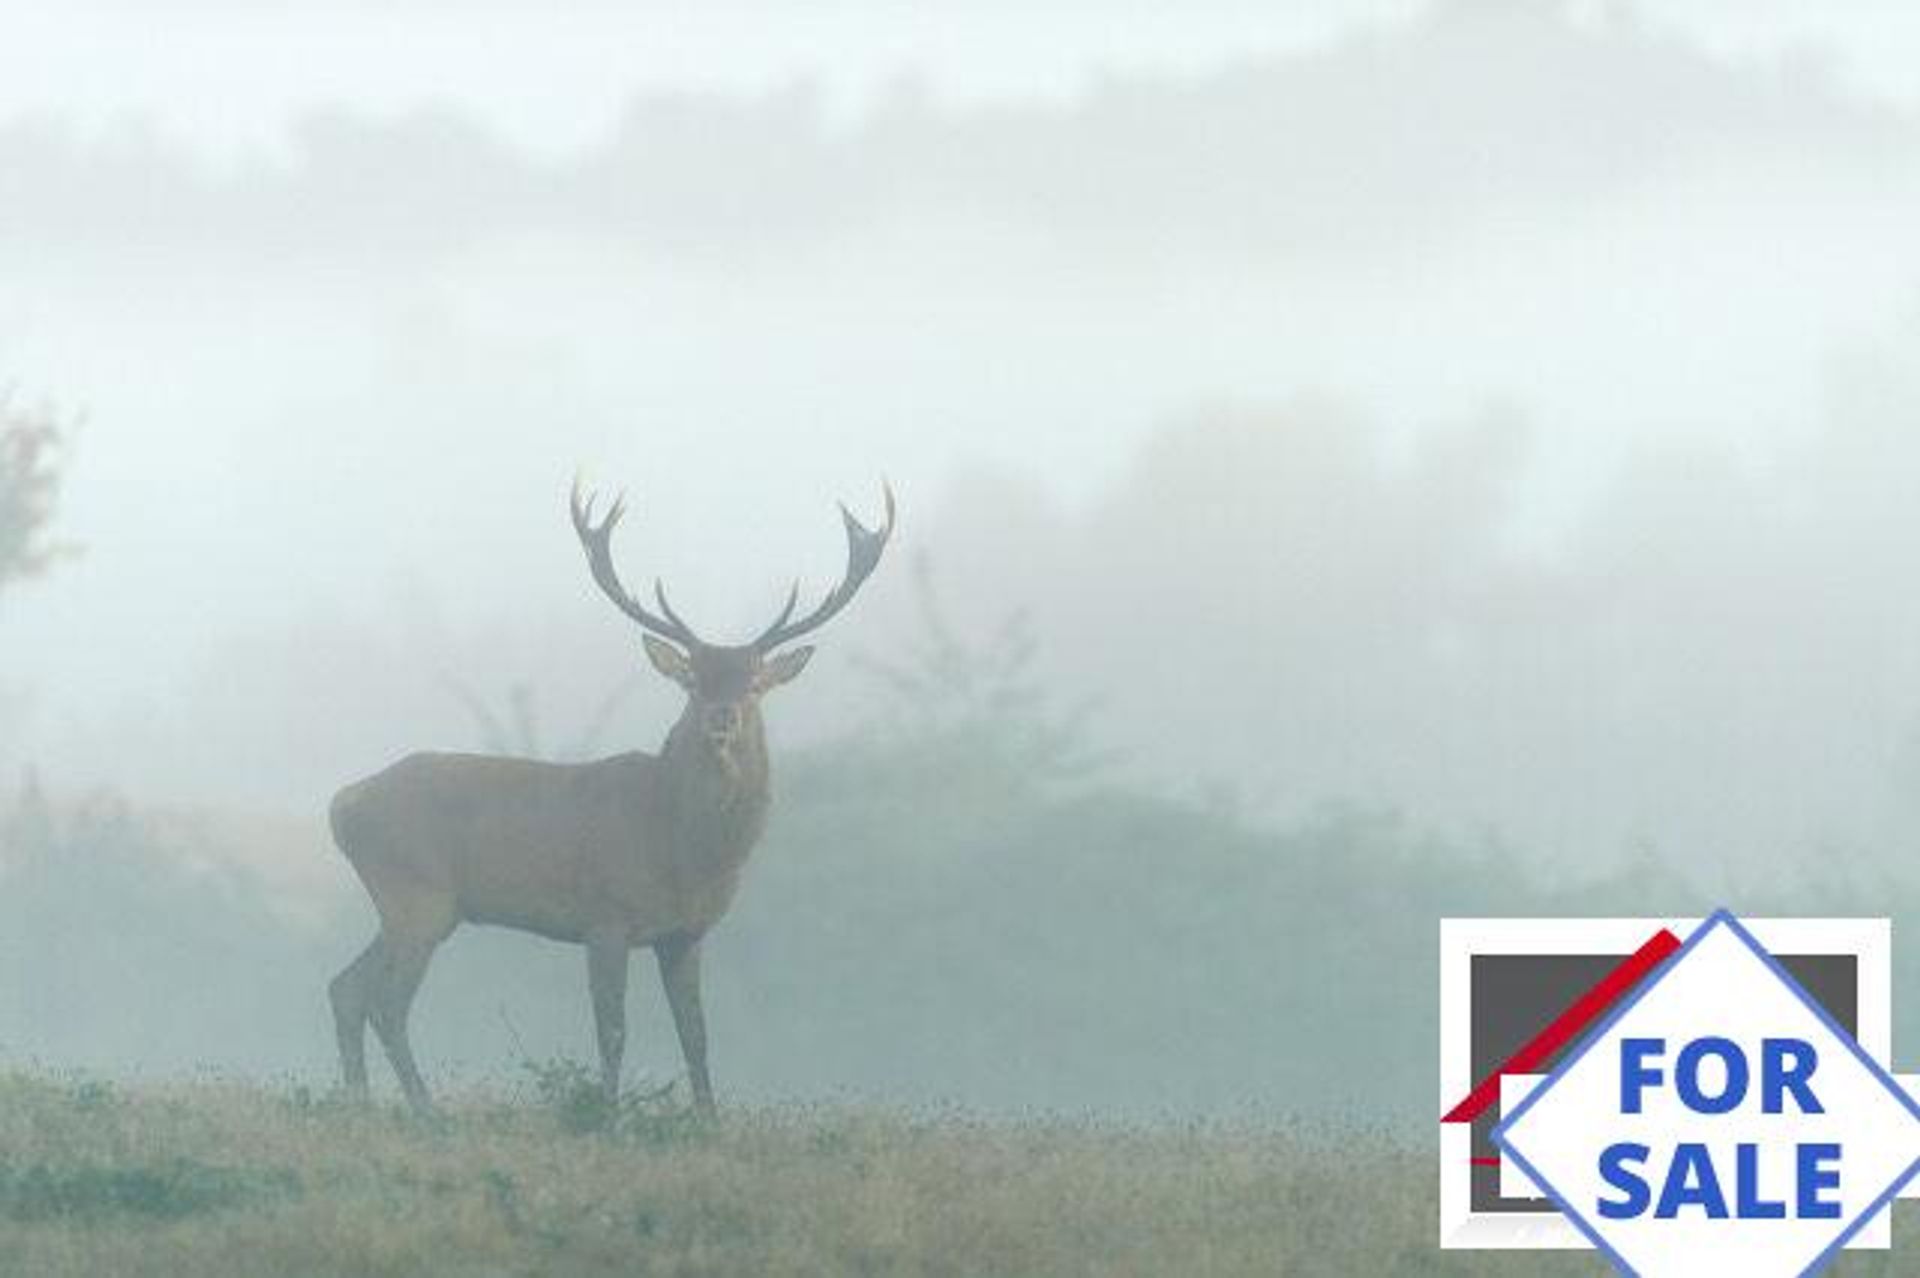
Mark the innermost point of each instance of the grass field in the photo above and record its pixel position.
(218, 1179)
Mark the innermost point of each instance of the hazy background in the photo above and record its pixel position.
(1498, 414)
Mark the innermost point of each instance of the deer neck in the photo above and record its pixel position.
(716, 803)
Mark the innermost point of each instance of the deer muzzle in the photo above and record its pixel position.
(721, 726)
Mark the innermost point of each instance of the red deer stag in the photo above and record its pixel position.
(635, 850)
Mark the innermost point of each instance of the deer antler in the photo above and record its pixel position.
(863, 554)
(597, 539)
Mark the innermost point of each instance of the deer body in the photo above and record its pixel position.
(554, 849)
(633, 851)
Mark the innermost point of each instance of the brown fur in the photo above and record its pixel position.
(637, 850)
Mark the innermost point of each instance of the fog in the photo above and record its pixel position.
(1496, 413)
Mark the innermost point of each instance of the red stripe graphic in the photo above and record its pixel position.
(1583, 1012)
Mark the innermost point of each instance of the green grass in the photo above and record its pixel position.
(218, 1178)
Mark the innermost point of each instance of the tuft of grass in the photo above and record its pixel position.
(571, 1093)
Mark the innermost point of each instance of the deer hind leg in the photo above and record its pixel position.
(680, 974)
(407, 943)
(351, 993)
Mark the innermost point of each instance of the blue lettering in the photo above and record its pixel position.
(1816, 1176)
(1777, 1079)
(1691, 1183)
(1747, 1186)
(1614, 1171)
(1635, 1074)
(1687, 1075)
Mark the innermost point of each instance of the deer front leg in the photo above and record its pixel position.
(680, 974)
(607, 983)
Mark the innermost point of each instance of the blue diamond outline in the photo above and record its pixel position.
(1719, 918)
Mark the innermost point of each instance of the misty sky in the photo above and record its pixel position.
(230, 74)
(344, 294)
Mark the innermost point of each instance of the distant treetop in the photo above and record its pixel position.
(29, 484)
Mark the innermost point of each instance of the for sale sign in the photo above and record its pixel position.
(1718, 1118)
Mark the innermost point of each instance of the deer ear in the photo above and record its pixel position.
(785, 667)
(669, 661)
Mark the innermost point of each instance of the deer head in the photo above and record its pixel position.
(724, 682)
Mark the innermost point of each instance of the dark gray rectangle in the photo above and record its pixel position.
(1515, 996)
